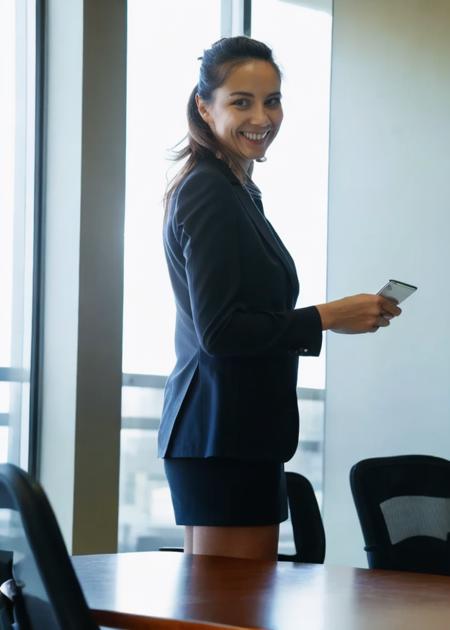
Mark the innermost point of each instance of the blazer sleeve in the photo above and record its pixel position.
(206, 221)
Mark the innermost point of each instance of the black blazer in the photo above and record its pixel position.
(232, 392)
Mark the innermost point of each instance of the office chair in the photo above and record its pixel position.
(42, 590)
(403, 505)
(39, 589)
(307, 525)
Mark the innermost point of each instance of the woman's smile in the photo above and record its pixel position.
(257, 138)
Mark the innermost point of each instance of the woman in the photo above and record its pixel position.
(230, 417)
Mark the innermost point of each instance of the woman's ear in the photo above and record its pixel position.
(202, 108)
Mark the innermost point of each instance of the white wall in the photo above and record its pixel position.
(389, 217)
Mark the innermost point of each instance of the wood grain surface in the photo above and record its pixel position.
(256, 594)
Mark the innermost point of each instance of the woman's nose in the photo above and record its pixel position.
(259, 116)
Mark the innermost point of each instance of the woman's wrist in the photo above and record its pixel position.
(325, 316)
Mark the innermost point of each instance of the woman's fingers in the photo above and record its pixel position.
(389, 307)
(382, 322)
(358, 313)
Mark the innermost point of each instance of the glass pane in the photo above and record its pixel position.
(162, 70)
(161, 73)
(146, 514)
(7, 134)
(17, 74)
(294, 181)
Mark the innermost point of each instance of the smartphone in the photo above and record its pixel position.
(397, 291)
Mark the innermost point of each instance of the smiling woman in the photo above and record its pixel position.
(234, 112)
(230, 417)
(246, 121)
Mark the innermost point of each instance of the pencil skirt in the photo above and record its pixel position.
(222, 492)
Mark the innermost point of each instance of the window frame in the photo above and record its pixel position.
(28, 460)
(35, 406)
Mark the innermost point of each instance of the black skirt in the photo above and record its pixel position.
(225, 492)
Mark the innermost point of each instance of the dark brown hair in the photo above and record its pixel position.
(217, 63)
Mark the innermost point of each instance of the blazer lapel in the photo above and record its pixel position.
(256, 213)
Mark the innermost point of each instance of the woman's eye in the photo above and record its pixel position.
(241, 102)
(273, 102)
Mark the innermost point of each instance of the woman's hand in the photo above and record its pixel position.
(358, 313)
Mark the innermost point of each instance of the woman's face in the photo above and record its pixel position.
(245, 112)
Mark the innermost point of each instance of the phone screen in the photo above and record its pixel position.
(397, 291)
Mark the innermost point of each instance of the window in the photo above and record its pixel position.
(162, 64)
(294, 181)
(162, 71)
(294, 184)
(17, 165)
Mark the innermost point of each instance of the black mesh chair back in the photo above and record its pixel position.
(403, 505)
(307, 525)
(39, 588)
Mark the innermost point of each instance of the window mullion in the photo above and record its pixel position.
(235, 17)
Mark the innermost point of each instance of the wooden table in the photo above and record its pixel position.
(281, 596)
